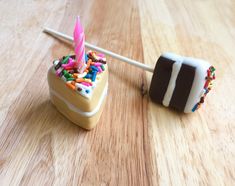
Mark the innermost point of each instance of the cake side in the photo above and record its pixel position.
(75, 117)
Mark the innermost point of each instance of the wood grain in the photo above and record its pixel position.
(136, 142)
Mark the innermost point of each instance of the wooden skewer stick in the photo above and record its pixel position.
(107, 52)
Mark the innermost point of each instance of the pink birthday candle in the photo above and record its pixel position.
(79, 41)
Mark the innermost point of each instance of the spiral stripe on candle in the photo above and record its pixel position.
(79, 40)
(80, 49)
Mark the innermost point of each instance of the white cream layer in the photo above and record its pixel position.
(75, 109)
(174, 74)
(198, 82)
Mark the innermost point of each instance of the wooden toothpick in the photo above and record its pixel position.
(104, 51)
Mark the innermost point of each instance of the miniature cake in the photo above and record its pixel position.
(181, 82)
(79, 96)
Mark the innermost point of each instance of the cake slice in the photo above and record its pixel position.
(180, 82)
(79, 96)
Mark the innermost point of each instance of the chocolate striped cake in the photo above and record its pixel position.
(181, 82)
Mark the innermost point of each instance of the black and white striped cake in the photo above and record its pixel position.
(179, 82)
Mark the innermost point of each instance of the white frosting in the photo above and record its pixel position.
(172, 56)
(175, 71)
(55, 63)
(82, 75)
(75, 109)
(83, 87)
(198, 83)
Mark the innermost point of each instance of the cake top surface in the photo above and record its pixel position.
(84, 83)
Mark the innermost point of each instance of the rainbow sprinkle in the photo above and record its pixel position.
(83, 83)
(207, 87)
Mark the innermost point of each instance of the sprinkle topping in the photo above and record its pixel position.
(207, 87)
(83, 83)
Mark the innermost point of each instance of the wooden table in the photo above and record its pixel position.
(136, 142)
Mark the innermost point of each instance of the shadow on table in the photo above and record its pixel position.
(40, 116)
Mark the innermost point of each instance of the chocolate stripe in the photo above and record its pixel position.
(160, 79)
(183, 86)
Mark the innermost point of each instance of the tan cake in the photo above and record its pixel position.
(79, 97)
